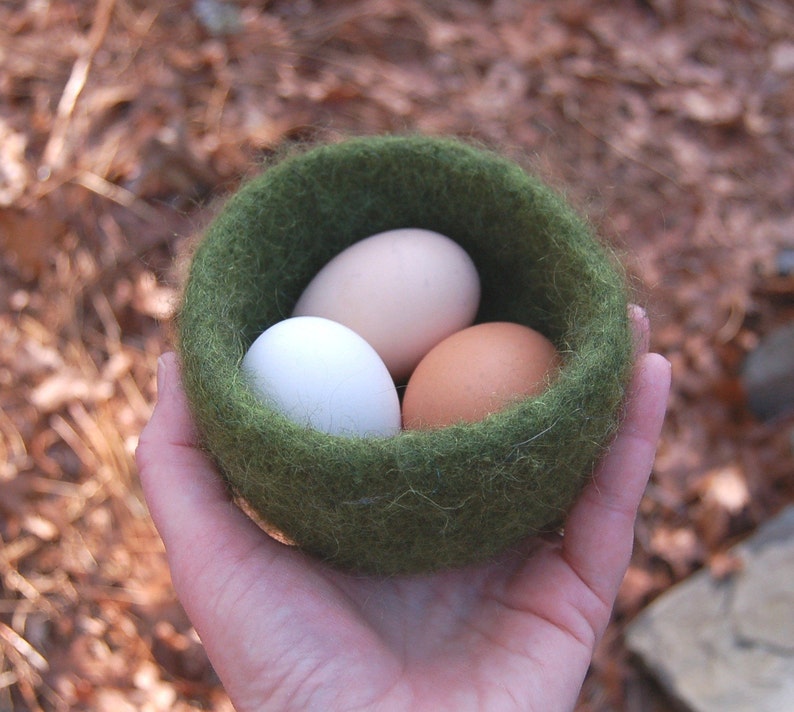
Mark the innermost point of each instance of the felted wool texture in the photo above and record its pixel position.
(423, 500)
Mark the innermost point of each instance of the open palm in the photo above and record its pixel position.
(286, 632)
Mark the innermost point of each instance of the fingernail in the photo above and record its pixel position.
(638, 311)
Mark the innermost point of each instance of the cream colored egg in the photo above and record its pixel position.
(403, 291)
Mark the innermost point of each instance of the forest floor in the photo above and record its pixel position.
(124, 122)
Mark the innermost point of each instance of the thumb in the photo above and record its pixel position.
(188, 501)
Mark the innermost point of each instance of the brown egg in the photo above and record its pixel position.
(478, 371)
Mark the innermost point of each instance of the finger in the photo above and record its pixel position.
(187, 499)
(599, 532)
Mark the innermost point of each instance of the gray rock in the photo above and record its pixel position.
(728, 645)
(768, 375)
(763, 606)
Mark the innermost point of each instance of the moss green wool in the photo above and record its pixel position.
(423, 500)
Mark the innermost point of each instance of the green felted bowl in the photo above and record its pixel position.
(423, 500)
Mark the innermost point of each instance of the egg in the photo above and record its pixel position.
(402, 290)
(323, 375)
(478, 371)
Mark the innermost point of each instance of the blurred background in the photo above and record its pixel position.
(123, 124)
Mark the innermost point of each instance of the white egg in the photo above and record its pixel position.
(323, 375)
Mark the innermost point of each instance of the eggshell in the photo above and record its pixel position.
(324, 375)
(403, 290)
(478, 371)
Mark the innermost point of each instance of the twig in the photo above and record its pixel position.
(628, 154)
(117, 194)
(33, 657)
(26, 662)
(54, 156)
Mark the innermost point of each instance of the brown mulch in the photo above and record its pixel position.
(123, 122)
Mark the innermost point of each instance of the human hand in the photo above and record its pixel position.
(286, 632)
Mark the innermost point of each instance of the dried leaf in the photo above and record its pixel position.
(66, 386)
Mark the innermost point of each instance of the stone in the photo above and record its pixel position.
(727, 645)
(768, 375)
(763, 604)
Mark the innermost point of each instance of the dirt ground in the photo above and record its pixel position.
(123, 122)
